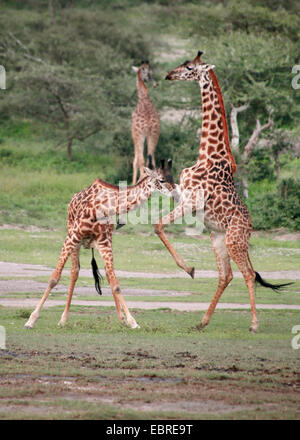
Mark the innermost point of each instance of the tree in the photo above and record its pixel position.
(70, 69)
(245, 153)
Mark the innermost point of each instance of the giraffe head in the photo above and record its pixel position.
(161, 179)
(193, 70)
(145, 72)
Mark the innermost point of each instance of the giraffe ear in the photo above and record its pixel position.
(135, 69)
(147, 171)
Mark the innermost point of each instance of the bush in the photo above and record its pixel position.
(280, 208)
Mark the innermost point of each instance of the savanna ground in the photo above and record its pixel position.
(95, 368)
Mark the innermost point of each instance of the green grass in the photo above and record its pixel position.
(147, 253)
(93, 357)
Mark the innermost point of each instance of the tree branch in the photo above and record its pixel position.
(26, 54)
(235, 139)
(255, 135)
(91, 133)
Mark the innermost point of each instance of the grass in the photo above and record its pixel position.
(43, 247)
(95, 368)
(109, 371)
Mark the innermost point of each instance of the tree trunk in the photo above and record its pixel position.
(69, 148)
(235, 137)
(277, 166)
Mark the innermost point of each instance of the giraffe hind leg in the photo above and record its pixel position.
(152, 140)
(138, 161)
(104, 246)
(225, 274)
(237, 246)
(67, 248)
(74, 276)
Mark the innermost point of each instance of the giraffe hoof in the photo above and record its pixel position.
(120, 225)
(28, 326)
(200, 326)
(192, 272)
(253, 329)
(134, 326)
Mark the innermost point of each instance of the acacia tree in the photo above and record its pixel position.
(68, 68)
(243, 154)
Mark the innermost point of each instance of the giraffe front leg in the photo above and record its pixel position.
(159, 230)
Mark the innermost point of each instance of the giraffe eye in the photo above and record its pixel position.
(162, 181)
(188, 68)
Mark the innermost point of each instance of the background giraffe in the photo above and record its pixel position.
(209, 184)
(145, 122)
(90, 224)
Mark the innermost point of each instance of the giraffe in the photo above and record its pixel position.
(90, 224)
(145, 121)
(210, 181)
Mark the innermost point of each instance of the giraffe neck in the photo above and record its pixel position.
(138, 194)
(142, 90)
(119, 200)
(214, 134)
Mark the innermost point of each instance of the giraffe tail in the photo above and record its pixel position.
(262, 282)
(275, 287)
(97, 275)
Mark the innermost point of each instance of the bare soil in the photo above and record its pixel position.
(29, 270)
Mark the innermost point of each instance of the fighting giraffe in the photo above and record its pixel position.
(145, 122)
(90, 223)
(209, 185)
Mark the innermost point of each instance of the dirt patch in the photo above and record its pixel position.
(189, 407)
(21, 286)
(30, 228)
(69, 389)
(8, 269)
(288, 237)
(179, 116)
(179, 306)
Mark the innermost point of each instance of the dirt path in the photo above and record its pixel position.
(30, 270)
(183, 307)
(33, 270)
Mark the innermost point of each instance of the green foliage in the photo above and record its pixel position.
(81, 52)
(277, 208)
(260, 166)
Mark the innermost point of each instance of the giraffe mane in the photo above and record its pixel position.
(117, 187)
(223, 114)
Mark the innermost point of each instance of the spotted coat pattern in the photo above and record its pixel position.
(145, 123)
(90, 224)
(211, 179)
